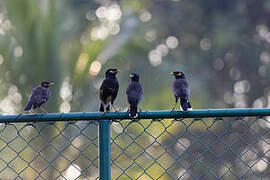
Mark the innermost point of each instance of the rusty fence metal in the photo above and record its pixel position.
(199, 144)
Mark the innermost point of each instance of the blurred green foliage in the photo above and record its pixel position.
(222, 46)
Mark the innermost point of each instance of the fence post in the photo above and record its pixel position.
(104, 150)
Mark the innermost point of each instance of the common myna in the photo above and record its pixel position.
(181, 90)
(134, 94)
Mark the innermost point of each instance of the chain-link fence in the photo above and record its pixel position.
(49, 151)
(185, 148)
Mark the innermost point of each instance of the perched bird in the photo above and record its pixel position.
(134, 94)
(181, 90)
(39, 96)
(108, 90)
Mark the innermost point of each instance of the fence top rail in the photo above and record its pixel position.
(78, 116)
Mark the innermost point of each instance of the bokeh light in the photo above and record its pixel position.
(205, 44)
(65, 107)
(95, 67)
(18, 51)
(1, 59)
(155, 57)
(82, 62)
(150, 35)
(163, 49)
(145, 16)
(218, 64)
(172, 42)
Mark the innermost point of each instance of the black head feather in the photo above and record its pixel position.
(134, 77)
(178, 75)
(46, 84)
(111, 72)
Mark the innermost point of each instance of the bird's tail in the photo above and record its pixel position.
(28, 106)
(101, 109)
(185, 104)
(133, 113)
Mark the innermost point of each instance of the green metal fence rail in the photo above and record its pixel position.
(199, 144)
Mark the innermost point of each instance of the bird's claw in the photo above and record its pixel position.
(116, 110)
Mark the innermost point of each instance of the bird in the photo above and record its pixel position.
(181, 90)
(108, 90)
(39, 96)
(134, 94)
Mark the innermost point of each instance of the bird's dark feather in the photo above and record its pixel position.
(39, 96)
(134, 94)
(181, 89)
(108, 90)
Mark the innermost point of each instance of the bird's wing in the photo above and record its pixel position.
(134, 92)
(181, 88)
(39, 95)
(109, 88)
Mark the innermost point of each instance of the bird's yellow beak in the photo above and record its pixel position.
(171, 73)
(51, 84)
(114, 71)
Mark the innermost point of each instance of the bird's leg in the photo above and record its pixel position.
(114, 108)
(42, 110)
(176, 100)
(105, 111)
(29, 123)
(140, 109)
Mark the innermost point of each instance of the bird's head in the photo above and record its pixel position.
(134, 77)
(112, 72)
(46, 84)
(178, 75)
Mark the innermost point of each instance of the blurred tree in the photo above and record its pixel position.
(222, 46)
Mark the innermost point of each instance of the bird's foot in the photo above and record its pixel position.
(133, 117)
(42, 111)
(174, 107)
(105, 112)
(116, 110)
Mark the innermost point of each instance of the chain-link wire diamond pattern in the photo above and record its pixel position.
(209, 148)
(202, 149)
(49, 151)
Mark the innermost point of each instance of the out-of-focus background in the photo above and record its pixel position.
(222, 46)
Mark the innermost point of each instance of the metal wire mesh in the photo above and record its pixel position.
(208, 148)
(49, 151)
